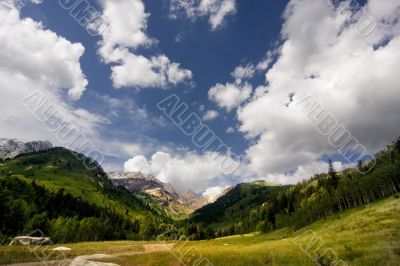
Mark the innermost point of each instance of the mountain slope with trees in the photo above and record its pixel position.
(55, 192)
(229, 211)
(297, 206)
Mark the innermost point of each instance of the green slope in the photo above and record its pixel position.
(365, 236)
(57, 175)
(59, 168)
(236, 205)
(254, 206)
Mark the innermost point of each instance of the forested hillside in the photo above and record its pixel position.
(53, 191)
(299, 205)
(233, 208)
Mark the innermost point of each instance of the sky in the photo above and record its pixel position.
(249, 69)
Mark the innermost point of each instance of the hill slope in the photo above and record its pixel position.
(299, 205)
(365, 236)
(59, 174)
(237, 203)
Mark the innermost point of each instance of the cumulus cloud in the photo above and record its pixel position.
(230, 95)
(138, 164)
(210, 115)
(38, 54)
(138, 71)
(39, 66)
(265, 63)
(186, 171)
(303, 172)
(216, 10)
(126, 31)
(230, 130)
(353, 76)
(243, 72)
(213, 193)
(36, 59)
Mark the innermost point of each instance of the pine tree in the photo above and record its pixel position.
(334, 179)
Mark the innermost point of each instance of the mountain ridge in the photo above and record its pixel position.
(148, 186)
(11, 148)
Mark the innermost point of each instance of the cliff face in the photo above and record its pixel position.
(138, 182)
(10, 148)
(163, 193)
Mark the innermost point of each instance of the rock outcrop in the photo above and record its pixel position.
(163, 193)
(10, 148)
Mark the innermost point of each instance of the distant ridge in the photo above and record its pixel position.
(11, 148)
(164, 194)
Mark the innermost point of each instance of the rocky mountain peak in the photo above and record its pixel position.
(10, 148)
(164, 193)
(131, 175)
(189, 195)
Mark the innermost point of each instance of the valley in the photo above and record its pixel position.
(334, 218)
(365, 236)
(199, 133)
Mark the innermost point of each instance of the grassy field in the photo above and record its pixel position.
(367, 236)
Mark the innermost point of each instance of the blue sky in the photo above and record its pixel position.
(210, 55)
(240, 61)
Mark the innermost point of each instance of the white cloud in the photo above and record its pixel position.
(216, 10)
(243, 72)
(265, 63)
(230, 130)
(303, 172)
(39, 64)
(213, 193)
(138, 164)
(138, 71)
(35, 59)
(186, 171)
(230, 95)
(260, 91)
(210, 115)
(126, 31)
(37, 54)
(127, 23)
(353, 76)
(118, 148)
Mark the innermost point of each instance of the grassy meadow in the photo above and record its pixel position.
(366, 236)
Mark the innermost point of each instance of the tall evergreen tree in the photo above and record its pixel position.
(334, 178)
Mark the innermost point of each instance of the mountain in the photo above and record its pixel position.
(157, 193)
(192, 200)
(10, 148)
(236, 203)
(137, 182)
(53, 189)
(258, 206)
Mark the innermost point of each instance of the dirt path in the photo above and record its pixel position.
(89, 260)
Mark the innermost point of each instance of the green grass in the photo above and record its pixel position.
(14, 254)
(366, 236)
(58, 169)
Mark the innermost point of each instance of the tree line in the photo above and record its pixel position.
(315, 199)
(27, 207)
